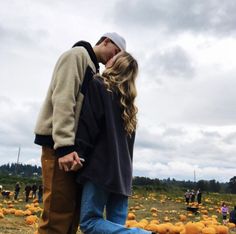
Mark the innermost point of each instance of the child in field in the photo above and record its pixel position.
(224, 212)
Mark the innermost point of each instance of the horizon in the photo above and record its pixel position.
(169, 178)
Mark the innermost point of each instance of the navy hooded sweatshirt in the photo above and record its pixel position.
(102, 141)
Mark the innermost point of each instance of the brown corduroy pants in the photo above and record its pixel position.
(61, 197)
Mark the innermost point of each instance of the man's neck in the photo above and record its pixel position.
(96, 51)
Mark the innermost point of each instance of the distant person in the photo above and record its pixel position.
(40, 193)
(6, 194)
(192, 195)
(56, 128)
(199, 196)
(232, 216)
(1, 188)
(17, 190)
(187, 196)
(224, 212)
(34, 190)
(27, 192)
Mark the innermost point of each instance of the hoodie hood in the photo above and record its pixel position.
(90, 50)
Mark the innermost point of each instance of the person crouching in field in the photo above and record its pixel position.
(232, 216)
(105, 139)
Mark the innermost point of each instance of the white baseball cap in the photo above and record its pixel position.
(117, 39)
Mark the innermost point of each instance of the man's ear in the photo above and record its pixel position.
(106, 41)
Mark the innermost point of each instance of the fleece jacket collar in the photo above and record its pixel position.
(90, 50)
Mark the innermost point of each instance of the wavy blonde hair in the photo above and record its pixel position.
(120, 77)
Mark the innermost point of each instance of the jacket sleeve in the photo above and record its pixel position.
(67, 78)
(91, 118)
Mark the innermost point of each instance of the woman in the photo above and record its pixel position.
(105, 140)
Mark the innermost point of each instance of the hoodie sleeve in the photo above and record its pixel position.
(91, 118)
(67, 78)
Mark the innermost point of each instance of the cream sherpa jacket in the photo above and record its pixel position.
(58, 119)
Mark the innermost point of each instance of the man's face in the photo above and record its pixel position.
(111, 61)
(109, 50)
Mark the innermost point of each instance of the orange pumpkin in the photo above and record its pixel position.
(32, 219)
(131, 216)
(192, 228)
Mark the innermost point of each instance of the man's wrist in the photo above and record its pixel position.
(62, 151)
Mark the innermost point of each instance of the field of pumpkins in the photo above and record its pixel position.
(167, 214)
(163, 213)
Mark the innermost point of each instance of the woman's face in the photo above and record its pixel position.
(111, 61)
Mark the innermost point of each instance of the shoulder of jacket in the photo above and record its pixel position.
(76, 52)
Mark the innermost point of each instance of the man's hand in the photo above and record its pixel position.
(70, 162)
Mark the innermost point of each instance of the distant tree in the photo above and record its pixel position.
(214, 186)
(232, 184)
(22, 169)
(203, 185)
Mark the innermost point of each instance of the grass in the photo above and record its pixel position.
(168, 205)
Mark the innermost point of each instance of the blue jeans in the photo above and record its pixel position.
(94, 200)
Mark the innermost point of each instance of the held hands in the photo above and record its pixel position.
(70, 162)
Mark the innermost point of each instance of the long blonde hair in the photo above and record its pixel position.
(120, 77)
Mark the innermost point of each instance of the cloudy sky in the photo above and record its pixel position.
(186, 51)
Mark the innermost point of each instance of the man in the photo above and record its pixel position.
(56, 127)
(17, 190)
(199, 196)
(27, 192)
(34, 190)
(40, 193)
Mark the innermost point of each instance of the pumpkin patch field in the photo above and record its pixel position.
(160, 212)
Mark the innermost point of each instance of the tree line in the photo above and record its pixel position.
(170, 184)
(18, 169)
(30, 171)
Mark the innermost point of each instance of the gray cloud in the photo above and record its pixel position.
(212, 16)
(147, 140)
(5, 101)
(17, 123)
(230, 138)
(173, 62)
(211, 134)
(214, 102)
(18, 37)
(173, 132)
(201, 147)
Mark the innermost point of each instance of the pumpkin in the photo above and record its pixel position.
(163, 228)
(182, 217)
(153, 210)
(19, 213)
(192, 228)
(131, 223)
(208, 230)
(131, 216)
(1, 215)
(222, 229)
(231, 225)
(32, 219)
(176, 229)
(152, 227)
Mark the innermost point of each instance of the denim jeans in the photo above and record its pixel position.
(94, 200)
